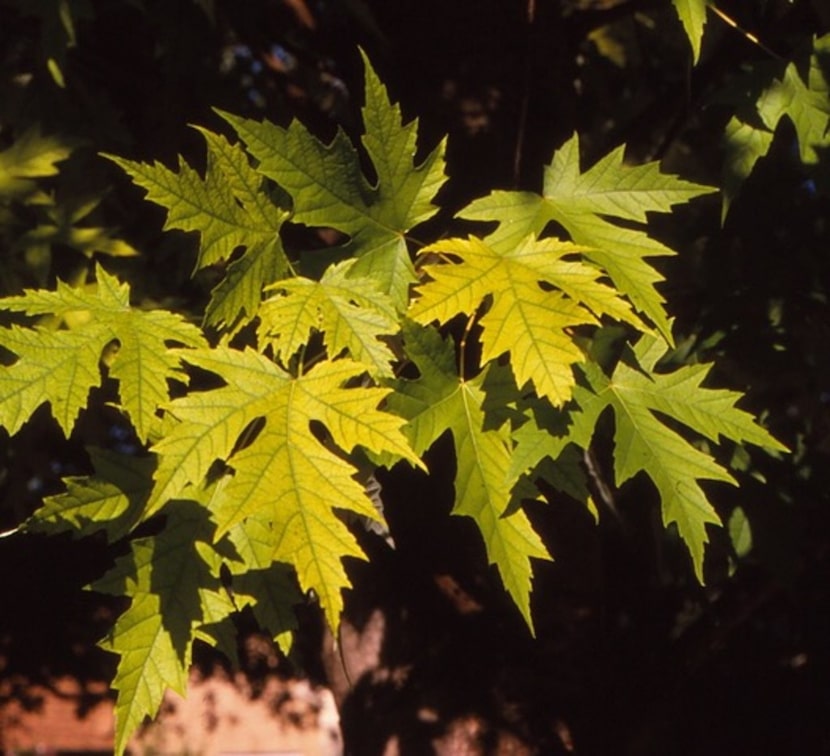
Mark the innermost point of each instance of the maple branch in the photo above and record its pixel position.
(729, 21)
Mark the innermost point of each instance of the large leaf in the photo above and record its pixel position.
(286, 476)
(60, 367)
(329, 189)
(439, 401)
(580, 202)
(530, 323)
(230, 209)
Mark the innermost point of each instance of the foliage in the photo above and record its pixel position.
(344, 321)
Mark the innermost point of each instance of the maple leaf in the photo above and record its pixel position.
(350, 312)
(528, 322)
(692, 14)
(806, 103)
(580, 201)
(329, 189)
(644, 443)
(110, 500)
(60, 367)
(166, 577)
(439, 401)
(230, 209)
(286, 475)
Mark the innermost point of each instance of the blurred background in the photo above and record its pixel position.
(632, 655)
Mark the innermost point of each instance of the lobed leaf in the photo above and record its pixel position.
(283, 475)
(230, 209)
(439, 401)
(166, 578)
(328, 187)
(579, 201)
(528, 322)
(60, 367)
(350, 312)
(644, 443)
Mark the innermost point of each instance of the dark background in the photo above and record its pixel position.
(632, 656)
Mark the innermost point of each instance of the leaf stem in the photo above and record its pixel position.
(462, 346)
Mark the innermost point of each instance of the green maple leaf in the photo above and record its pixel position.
(329, 189)
(806, 103)
(111, 500)
(692, 14)
(644, 443)
(580, 202)
(439, 401)
(60, 367)
(350, 312)
(166, 577)
(528, 322)
(230, 209)
(286, 475)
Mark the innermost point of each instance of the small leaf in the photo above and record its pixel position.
(740, 532)
(30, 156)
(111, 500)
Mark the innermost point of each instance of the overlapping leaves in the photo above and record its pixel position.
(251, 474)
(350, 312)
(329, 189)
(803, 100)
(286, 478)
(581, 202)
(230, 209)
(530, 323)
(439, 401)
(639, 396)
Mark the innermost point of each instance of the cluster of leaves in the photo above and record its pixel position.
(260, 423)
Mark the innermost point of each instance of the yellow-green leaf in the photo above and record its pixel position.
(528, 322)
(438, 401)
(60, 367)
